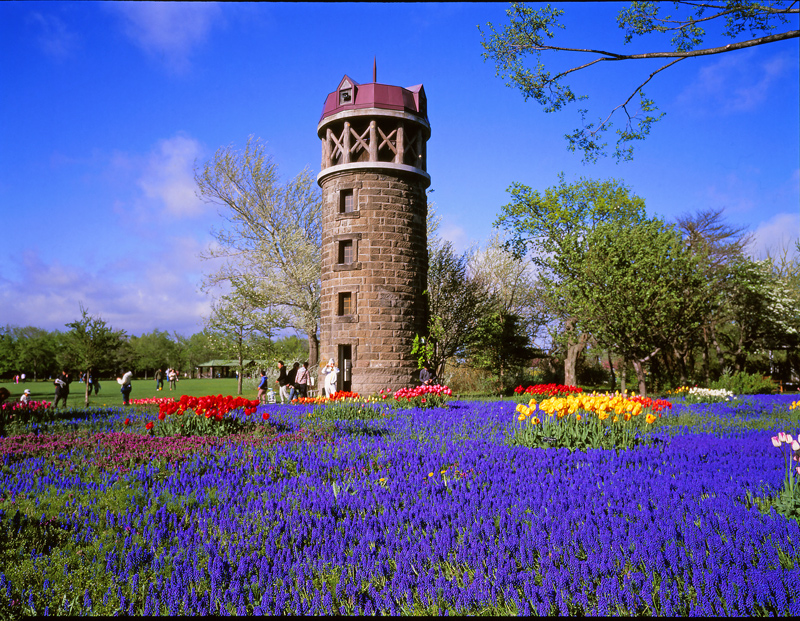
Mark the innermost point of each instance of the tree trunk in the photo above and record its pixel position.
(706, 361)
(717, 346)
(573, 351)
(240, 374)
(681, 366)
(313, 349)
(623, 381)
(86, 381)
(613, 375)
(637, 364)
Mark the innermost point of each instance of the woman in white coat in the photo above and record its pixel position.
(125, 382)
(331, 372)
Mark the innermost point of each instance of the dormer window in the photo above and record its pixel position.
(345, 96)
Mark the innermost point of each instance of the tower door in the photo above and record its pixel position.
(345, 367)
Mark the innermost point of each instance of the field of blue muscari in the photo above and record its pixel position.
(425, 511)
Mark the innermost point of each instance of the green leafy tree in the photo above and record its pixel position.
(639, 290)
(552, 229)
(499, 343)
(235, 325)
(271, 242)
(91, 341)
(8, 351)
(154, 350)
(35, 351)
(195, 350)
(456, 302)
(680, 29)
(762, 309)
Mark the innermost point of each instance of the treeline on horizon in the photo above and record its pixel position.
(42, 354)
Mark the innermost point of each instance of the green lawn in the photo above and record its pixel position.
(142, 389)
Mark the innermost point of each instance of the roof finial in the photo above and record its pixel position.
(374, 69)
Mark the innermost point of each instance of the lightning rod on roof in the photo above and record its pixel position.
(374, 69)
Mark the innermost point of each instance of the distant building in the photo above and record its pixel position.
(224, 368)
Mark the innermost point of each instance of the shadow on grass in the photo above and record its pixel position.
(361, 429)
(21, 530)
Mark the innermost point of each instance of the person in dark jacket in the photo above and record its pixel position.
(283, 382)
(292, 377)
(62, 388)
(426, 376)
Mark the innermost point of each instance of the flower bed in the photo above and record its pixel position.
(152, 401)
(588, 421)
(696, 394)
(426, 511)
(538, 391)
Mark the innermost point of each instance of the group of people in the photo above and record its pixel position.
(172, 377)
(20, 377)
(292, 383)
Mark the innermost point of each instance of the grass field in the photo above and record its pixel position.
(142, 389)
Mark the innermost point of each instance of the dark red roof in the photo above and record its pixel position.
(374, 95)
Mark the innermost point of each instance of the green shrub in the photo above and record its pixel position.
(745, 384)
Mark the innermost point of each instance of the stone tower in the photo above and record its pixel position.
(374, 232)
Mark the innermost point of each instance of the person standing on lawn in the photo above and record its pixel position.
(62, 389)
(283, 381)
(159, 380)
(292, 377)
(262, 387)
(331, 372)
(26, 396)
(125, 382)
(301, 380)
(173, 379)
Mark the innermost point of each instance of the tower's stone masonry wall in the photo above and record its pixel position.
(386, 279)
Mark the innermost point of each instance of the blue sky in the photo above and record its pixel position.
(106, 107)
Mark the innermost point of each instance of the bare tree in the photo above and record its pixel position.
(529, 31)
(272, 239)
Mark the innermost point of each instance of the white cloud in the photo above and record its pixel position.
(779, 233)
(134, 293)
(169, 30)
(456, 235)
(737, 82)
(168, 176)
(54, 38)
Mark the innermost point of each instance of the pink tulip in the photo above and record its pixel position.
(776, 441)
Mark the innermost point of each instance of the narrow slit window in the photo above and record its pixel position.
(346, 303)
(346, 201)
(346, 251)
